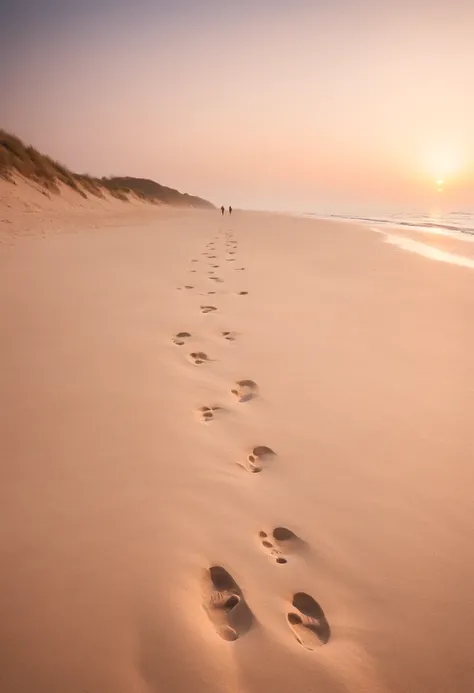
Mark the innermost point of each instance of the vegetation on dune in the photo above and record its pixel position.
(149, 189)
(20, 159)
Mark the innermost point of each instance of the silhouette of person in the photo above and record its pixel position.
(222, 210)
(230, 209)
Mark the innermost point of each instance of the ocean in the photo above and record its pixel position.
(454, 224)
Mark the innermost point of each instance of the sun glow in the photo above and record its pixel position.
(443, 163)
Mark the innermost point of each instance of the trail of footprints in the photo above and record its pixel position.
(223, 599)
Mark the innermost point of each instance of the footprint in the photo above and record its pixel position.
(179, 339)
(211, 257)
(245, 390)
(217, 279)
(242, 293)
(198, 357)
(308, 623)
(230, 259)
(229, 336)
(207, 414)
(215, 266)
(193, 260)
(271, 548)
(211, 292)
(188, 286)
(258, 457)
(225, 604)
(285, 535)
(208, 309)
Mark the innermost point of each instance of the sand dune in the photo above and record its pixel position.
(257, 484)
(27, 208)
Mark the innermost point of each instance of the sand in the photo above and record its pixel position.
(26, 208)
(330, 493)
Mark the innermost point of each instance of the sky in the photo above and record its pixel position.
(331, 106)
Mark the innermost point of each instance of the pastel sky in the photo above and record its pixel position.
(317, 105)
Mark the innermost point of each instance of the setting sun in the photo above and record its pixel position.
(444, 162)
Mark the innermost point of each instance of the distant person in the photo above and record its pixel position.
(222, 210)
(230, 209)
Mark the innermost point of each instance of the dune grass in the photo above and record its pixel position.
(16, 158)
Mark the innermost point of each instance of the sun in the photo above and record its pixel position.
(443, 163)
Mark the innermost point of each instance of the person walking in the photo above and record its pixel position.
(230, 209)
(222, 210)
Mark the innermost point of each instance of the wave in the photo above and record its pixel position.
(455, 222)
(425, 250)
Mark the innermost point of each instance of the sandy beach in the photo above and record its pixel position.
(236, 457)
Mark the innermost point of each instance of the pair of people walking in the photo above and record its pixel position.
(223, 210)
